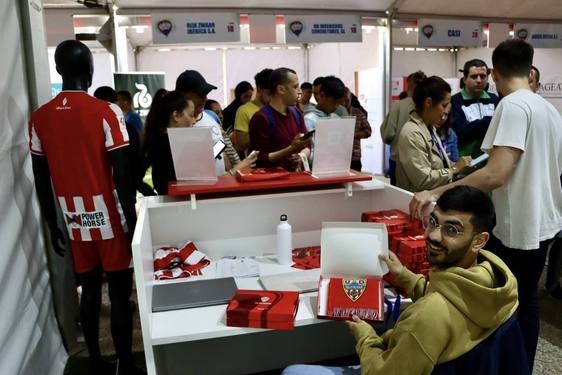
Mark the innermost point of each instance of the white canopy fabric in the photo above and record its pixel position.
(30, 342)
(480, 9)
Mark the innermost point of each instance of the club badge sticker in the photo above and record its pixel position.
(427, 30)
(165, 27)
(296, 27)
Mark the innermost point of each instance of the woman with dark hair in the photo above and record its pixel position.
(169, 110)
(423, 163)
(242, 94)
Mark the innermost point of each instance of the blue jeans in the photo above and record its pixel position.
(321, 370)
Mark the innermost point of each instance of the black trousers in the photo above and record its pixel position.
(527, 266)
(392, 172)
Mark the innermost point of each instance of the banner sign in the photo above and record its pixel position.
(142, 87)
(170, 28)
(444, 33)
(323, 29)
(540, 35)
(551, 87)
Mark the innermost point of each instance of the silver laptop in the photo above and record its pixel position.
(209, 292)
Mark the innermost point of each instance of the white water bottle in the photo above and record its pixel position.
(284, 242)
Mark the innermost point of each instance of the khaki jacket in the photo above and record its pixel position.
(394, 121)
(419, 165)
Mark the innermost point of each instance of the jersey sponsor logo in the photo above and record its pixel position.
(87, 220)
(64, 106)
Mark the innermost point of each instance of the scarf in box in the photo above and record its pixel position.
(306, 258)
(173, 262)
(361, 297)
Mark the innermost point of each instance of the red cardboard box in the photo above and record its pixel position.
(383, 215)
(263, 309)
(411, 234)
(261, 174)
(351, 272)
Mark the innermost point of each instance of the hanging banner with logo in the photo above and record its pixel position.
(445, 33)
(539, 35)
(142, 87)
(323, 29)
(169, 28)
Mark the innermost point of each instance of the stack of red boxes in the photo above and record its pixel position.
(405, 239)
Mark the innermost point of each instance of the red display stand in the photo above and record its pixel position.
(229, 184)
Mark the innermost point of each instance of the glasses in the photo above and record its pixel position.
(447, 230)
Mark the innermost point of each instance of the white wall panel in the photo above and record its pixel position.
(242, 65)
(431, 63)
(173, 63)
(344, 59)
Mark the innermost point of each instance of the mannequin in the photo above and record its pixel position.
(80, 123)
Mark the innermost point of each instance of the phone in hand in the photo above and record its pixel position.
(218, 149)
(308, 134)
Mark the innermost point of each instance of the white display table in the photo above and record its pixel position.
(197, 341)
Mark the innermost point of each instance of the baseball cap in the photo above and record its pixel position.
(193, 81)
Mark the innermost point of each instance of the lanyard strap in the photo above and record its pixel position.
(437, 144)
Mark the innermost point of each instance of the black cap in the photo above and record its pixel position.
(193, 81)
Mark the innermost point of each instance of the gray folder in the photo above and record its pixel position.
(184, 295)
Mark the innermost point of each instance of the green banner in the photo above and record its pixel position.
(142, 87)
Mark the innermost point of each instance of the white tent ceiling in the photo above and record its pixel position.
(482, 9)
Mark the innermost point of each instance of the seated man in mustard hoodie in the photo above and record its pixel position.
(471, 293)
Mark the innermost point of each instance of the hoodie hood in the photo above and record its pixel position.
(319, 113)
(485, 293)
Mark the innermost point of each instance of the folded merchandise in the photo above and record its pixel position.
(342, 298)
(232, 266)
(306, 258)
(177, 262)
(263, 309)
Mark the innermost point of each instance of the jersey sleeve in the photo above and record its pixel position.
(34, 142)
(114, 128)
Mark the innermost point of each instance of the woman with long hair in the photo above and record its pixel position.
(423, 163)
(170, 110)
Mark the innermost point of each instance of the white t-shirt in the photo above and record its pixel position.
(207, 121)
(529, 205)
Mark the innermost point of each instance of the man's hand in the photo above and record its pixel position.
(420, 201)
(393, 263)
(299, 143)
(355, 325)
(294, 161)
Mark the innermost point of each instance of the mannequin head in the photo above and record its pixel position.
(75, 64)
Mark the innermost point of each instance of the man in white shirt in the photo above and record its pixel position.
(194, 86)
(524, 141)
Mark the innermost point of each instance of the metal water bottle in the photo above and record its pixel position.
(284, 242)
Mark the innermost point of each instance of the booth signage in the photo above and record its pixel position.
(170, 28)
(441, 33)
(540, 35)
(551, 87)
(142, 87)
(323, 28)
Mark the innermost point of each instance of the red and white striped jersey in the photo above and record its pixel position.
(74, 131)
